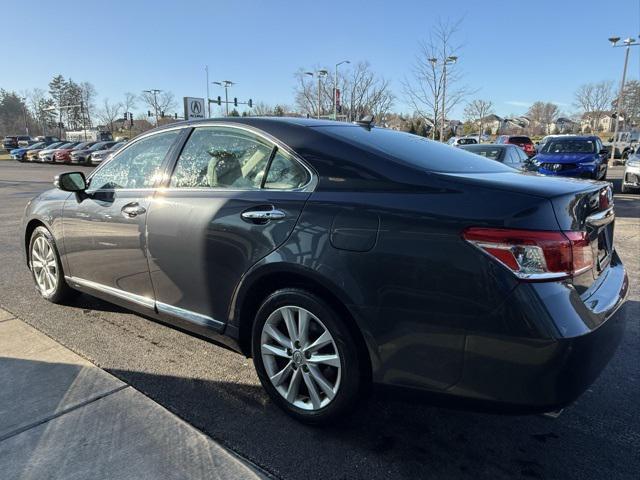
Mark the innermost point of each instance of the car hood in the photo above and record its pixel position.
(565, 157)
(17, 151)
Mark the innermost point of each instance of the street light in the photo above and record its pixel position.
(319, 73)
(449, 60)
(626, 43)
(154, 92)
(335, 90)
(226, 84)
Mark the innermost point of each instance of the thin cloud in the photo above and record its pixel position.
(518, 103)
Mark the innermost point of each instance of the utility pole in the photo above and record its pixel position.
(335, 90)
(627, 44)
(24, 114)
(155, 92)
(206, 69)
(226, 84)
(450, 59)
(319, 73)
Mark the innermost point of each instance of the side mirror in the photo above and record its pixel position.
(71, 182)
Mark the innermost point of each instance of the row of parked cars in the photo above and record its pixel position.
(86, 153)
(580, 156)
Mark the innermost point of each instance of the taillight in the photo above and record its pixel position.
(534, 255)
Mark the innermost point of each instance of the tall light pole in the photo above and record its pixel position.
(449, 60)
(24, 113)
(335, 90)
(627, 44)
(206, 69)
(154, 92)
(226, 84)
(319, 73)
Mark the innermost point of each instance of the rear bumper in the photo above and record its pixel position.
(575, 337)
(544, 374)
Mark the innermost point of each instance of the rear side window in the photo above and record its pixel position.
(235, 159)
(219, 157)
(413, 150)
(520, 140)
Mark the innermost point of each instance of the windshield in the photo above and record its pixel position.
(414, 150)
(117, 145)
(37, 145)
(99, 146)
(570, 146)
(488, 151)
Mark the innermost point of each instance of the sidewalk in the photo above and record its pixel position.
(63, 417)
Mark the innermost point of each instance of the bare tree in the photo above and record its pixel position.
(594, 99)
(87, 96)
(476, 111)
(109, 113)
(426, 87)
(262, 109)
(542, 115)
(363, 92)
(129, 102)
(163, 101)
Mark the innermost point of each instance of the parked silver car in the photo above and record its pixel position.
(98, 156)
(631, 177)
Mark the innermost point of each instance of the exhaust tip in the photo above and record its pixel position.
(553, 414)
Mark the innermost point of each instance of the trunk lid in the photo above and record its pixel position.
(579, 205)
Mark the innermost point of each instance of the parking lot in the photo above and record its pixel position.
(218, 392)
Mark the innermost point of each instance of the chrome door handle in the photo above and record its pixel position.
(131, 210)
(272, 214)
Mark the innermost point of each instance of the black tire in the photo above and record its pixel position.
(352, 381)
(62, 292)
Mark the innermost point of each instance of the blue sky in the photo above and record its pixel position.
(514, 52)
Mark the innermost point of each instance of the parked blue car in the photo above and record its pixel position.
(19, 153)
(573, 156)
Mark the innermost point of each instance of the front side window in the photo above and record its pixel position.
(137, 166)
(222, 157)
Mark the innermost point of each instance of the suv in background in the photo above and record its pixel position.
(522, 141)
(25, 141)
(10, 142)
(625, 143)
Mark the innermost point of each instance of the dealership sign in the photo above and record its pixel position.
(193, 108)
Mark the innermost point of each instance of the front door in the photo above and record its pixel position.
(104, 227)
(233, 198)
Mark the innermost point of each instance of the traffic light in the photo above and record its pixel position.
(175, 116)
(148, 113)
(161, 113)
(235, 102)
(250, 103)
(219, 101)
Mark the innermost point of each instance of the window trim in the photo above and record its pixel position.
(310, 186)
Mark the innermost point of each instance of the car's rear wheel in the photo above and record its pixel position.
(46, 267)
(305, 357)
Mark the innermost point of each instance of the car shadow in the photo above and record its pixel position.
(392, 437)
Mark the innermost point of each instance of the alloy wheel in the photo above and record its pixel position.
(301, 358)
(44, 266)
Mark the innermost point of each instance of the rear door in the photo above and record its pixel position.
(104, 228)
(233, 197)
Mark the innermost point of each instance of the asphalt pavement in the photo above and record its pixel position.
(217, 391)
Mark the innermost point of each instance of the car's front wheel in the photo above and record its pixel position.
(305, 357)
(46, 267)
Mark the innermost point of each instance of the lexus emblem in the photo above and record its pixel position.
(195, 107)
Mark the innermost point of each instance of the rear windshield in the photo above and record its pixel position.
(520, 140)
(569, 146)
(488, 151)
(414, 150)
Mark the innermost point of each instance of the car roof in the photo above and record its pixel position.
(260, 121)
